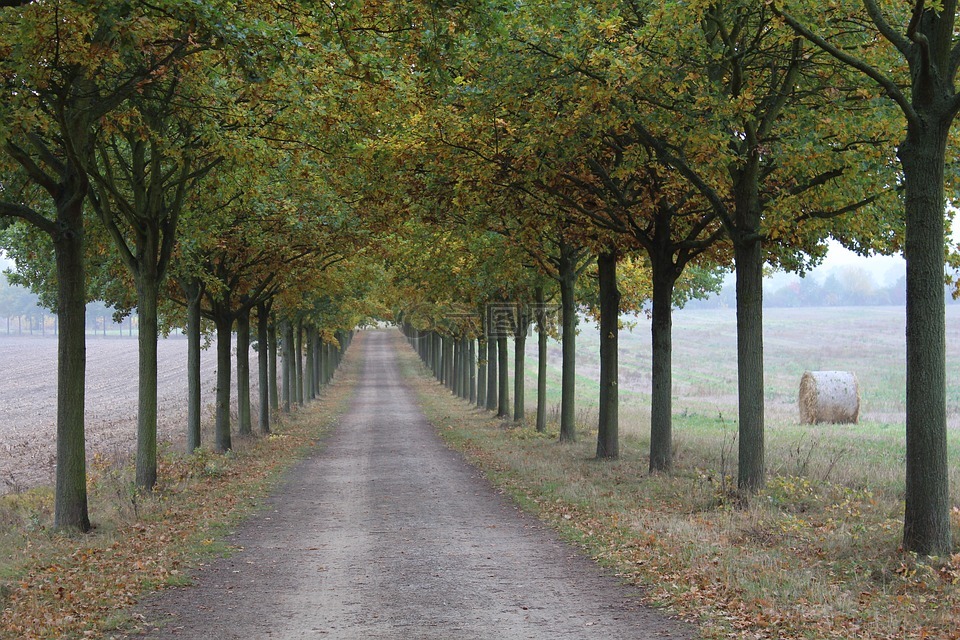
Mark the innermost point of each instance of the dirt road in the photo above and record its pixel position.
(388, 534)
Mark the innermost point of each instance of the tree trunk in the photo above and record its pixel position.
(519, 365)
(608, 430)
(317, 365)
(471, 360)
(193, 290)
(465, 366)
(492, 378)
(311, 367)
(263, 367)
(70, 501)
(503, 357)
(541, 362)
(458, 360)
(448, 363)
(568, 344)
(481, 372)
(323, 357)
(272, 363)
(147, 293)
(298, 359)
(328, 350)
(244, 417)
(749, 269)
(287, 388)
(224, 325)
(926, 522)
(661, 337)
(437, 356)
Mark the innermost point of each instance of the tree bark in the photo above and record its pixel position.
(298, 359)
(287, 387)
(437, 357)
(749, 269)
(661, 337)
(224, 324)
(244, 411)
(272, 364)
(492, 378)
(519, 365)
(568, 344)
(608, 431)
(926, 523)
(447, 375)
(263, 367)
(70, 501)
(503, 357)
(481, 372)
(311, 367)
(317, 364)
(193, 291)
(471, 360)
(465, 366)
(323, 357)
(148, 285)
(541, 362)
(331, 361)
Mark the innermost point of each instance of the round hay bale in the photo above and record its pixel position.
(829, 396)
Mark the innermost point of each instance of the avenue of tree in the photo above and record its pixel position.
(285, 172)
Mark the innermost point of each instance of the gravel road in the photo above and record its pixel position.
(388, 534)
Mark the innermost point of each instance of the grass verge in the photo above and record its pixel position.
(810, 557)
(76, 586)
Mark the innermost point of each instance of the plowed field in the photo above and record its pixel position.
(28, 401)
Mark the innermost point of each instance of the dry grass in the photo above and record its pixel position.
(815, 555)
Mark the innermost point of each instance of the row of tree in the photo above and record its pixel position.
(143, 163)
(436, 161)
(554, 141)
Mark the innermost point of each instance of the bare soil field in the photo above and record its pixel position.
(28, 396)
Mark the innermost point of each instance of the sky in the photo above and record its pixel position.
(885, 270)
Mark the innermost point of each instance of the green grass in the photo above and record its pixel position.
(865, 340)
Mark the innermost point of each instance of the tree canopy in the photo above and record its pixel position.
(318, 166)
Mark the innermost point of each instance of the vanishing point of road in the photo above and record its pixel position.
(385, 533)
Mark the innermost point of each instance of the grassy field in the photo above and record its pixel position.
(866, 340)
(869, 341)
(814, 555)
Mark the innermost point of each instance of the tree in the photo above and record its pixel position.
(49, 117)
(739, 114)
(142, 172)
(920, 50)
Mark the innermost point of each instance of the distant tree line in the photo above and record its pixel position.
(22, 314)
(842, 287)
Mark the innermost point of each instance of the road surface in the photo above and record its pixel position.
(385, 534)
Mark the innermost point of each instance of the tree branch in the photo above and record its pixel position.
(13, 210)
(672, 160)
(871, 72)
(902, 44)
(33, 170)
(826, 215)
